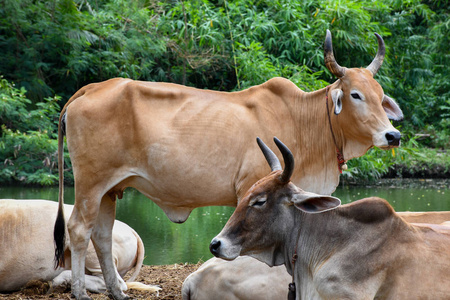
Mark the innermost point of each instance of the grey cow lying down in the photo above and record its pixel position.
(246, 278)
(27, 249)
(362, 250)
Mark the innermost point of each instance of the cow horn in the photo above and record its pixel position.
(378, 60)
(288, 161)
(271, 158)
(330, 61)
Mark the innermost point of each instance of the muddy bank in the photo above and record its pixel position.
(418, 171)
(405, 183)
(168, 277)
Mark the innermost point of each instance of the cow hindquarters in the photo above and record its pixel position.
(102, 240)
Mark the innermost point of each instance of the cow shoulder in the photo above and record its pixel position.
(368, 210)
(98, 87)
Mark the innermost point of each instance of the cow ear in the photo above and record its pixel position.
(392, 109)
(314, 203)
(336, 96)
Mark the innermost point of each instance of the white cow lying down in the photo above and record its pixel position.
(27, 248)
(229, 280)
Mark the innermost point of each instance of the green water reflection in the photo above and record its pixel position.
(168, 243)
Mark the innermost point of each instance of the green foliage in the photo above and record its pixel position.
(410, 160)
(60, 46)
(255, 65)
(420, 58)
(376, 162)
(28, 145)
(30, 157)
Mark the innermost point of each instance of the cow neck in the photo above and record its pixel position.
(315, 169)
(309, 232)
(292, 288)
(342, 164)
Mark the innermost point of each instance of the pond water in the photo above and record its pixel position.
(168, 243)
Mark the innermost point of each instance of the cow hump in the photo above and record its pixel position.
(368, 210)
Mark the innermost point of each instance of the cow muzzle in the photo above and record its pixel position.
(387, 139)
(393, 138)
(214, 247)
(221, 248)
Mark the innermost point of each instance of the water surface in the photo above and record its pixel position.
(168, 243)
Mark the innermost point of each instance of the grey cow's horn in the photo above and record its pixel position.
(271, 158)
(288, 161)
(378, 60)
(330, 61)
(273, 161)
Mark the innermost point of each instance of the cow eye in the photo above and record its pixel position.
(356, 96)
(260, 202)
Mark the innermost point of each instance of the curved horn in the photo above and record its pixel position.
(271, 158)
(378, 60)
(288, 161)
(330, 61)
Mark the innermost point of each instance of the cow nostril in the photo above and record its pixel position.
(214, 246)
(393, 138)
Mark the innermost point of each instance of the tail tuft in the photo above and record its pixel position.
(59, 233)
(144, 287)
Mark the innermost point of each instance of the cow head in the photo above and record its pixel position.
(265, 217)
(359, 99)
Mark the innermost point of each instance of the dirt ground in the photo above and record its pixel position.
(168, 277)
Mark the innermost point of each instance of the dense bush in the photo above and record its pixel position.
(409, 161)
(27, 151)
(28, 145)
(54, 48)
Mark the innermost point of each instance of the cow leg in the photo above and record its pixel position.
(102, 240)
(62, 280)
(94, 284)
(80, 227)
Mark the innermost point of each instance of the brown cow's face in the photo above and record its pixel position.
(362, 108)
(359, 99)
(264, 218)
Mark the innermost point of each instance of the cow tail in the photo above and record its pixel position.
(131, 284)
(59, 232)
(139, 257)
